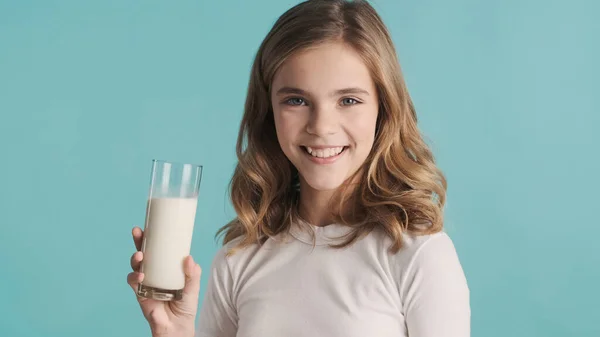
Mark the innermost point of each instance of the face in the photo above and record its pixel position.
(325, 108)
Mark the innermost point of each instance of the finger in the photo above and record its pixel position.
(192, 279)
(138, 235)
(133, 279)
(136, 260)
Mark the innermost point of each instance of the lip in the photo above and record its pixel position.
(328, 160)
(320, 147)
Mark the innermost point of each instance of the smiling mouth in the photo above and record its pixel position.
(324, 153)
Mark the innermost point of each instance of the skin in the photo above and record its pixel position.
(322, 97)
(174, 318)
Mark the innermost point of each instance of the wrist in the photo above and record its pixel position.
(188, 331)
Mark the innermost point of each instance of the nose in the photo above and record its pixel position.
(323, 122)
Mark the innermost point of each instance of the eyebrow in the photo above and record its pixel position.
(345, 91)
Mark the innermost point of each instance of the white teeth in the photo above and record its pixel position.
(324, 153)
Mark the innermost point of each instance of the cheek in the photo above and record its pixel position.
(363, 131)
(288, 125)
(285, 129)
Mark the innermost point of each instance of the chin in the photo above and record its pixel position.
(323, 184)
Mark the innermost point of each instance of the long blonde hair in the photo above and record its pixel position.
(400, 189)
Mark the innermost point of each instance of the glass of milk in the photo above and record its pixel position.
(170, 216)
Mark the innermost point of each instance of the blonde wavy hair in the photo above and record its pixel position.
(399, 188)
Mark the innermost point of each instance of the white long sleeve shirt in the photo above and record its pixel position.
(289, 287)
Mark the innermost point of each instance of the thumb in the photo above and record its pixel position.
(187, 306)
(192, 272)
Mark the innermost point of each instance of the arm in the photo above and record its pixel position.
(218, 317)
(435, 292)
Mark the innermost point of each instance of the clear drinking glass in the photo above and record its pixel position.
(170, 215)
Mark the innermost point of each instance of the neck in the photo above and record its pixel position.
(314, 205)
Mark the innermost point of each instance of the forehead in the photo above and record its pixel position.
(327, 66)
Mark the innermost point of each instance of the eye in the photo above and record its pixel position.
(349, 101)
(295, 101)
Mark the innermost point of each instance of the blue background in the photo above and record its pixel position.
(91, 91)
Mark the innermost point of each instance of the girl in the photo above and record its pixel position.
(338, 199)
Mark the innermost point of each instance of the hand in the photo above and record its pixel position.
(167, 318)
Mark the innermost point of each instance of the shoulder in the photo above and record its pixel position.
(430, 244)
(227, 253)
(428, 257)
(432, 255)
(432, 286)
(415, 246)
(438, 243)
(233, 258)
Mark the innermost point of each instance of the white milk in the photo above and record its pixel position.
(167, 241)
